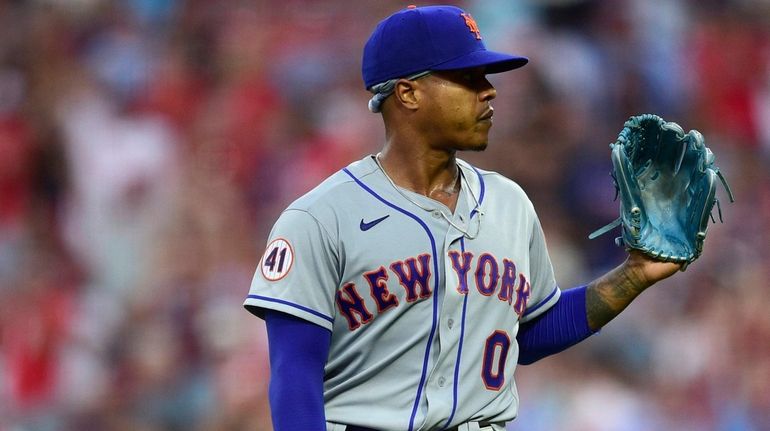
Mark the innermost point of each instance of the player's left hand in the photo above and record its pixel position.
(666, 181)
(645, 271)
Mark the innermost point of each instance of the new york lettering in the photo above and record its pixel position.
(489, 276)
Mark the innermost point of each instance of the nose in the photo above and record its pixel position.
(487, 92)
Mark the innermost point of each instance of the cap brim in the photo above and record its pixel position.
(492, 61)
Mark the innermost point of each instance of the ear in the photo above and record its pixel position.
(407, 93)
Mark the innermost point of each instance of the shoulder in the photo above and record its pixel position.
(335, 195)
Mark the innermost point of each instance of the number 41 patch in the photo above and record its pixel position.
(277, 260)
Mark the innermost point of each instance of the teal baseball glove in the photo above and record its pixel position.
(666, 180)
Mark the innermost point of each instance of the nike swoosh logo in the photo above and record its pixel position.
(366, 226)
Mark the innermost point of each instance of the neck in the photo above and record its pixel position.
(430, 173)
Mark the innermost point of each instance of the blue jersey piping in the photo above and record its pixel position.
(459, 350)
(543, 302)
(291, 304)
(482, 189)
(435, 289)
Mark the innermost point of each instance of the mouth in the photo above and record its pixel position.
(487, 115)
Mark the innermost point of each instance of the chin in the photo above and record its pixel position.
(472, 142)
(477, 147)
(480, 147)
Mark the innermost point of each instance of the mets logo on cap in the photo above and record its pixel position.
(471, 23)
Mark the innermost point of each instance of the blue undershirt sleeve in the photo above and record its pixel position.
(298, 354)
(563, 325)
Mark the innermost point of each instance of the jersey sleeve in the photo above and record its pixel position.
(543, 290)
(298, 273)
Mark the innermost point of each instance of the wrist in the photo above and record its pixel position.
(632, 273)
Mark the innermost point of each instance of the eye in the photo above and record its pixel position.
(472, 76)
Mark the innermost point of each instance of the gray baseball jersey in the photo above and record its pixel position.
(423, 316)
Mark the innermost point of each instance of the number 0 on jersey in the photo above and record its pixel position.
(277, 260)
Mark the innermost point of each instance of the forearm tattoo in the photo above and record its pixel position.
(608, 296)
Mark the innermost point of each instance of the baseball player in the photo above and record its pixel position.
(401, 292)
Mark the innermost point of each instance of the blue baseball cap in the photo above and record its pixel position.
(418, 39)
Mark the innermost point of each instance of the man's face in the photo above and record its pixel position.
(457, 109)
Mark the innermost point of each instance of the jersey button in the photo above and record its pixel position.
(436, 214)
(441, 382)
(450, 323)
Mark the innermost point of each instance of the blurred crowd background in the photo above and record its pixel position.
(146, 147)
